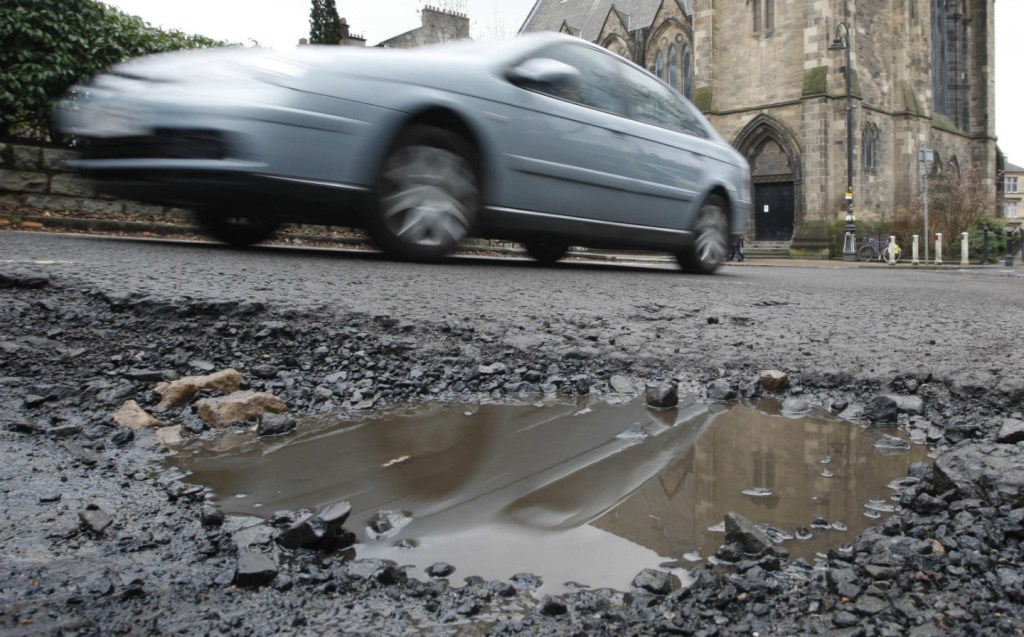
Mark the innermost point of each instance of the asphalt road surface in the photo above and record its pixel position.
(98, 539)
(868, 321)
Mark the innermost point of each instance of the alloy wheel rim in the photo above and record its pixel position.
(430, 196)
(711, 237)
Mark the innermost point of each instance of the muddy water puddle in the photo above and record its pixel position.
(580, 494)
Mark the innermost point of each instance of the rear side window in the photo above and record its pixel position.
(599, 86)
(652, 102)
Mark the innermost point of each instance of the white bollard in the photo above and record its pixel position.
(914, 251)
(965, 245)
(892, 250)
(938, 248)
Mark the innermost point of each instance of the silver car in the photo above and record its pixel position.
(545, 140)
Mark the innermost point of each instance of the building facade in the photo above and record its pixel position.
(436, 26)
(771, 75)
(1013, 196)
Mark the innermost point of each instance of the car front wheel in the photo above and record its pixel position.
(711, 239)
(428, 195)
(237, 230)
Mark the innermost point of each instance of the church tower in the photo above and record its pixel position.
(772, 76)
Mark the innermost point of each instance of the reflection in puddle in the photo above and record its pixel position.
(591, 493)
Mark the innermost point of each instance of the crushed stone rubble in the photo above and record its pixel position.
(102, 537)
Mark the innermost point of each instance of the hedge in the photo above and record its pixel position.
(46, 46)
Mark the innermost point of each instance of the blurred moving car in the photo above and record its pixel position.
(545, 140)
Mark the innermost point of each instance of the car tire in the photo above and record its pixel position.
(546, 253)
(710, 240)
(428, 195)
(236, 230)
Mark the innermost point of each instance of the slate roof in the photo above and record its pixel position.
(1011, 168)
(589, 15)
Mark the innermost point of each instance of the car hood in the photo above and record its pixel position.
(237, 63)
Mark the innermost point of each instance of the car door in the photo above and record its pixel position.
(674, 153)
(565, 146)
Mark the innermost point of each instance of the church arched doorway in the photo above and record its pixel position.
(775, 171)
(774, 194)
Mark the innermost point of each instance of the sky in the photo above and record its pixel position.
(280, 24)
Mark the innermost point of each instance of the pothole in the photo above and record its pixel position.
(581, 494)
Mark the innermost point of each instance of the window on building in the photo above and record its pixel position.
(1010, 184)
(1011, 209)
(953, 168)
(949, 62)
(687, 73)
(673, 68)
(869, 148)
(659, 64)
(764, 16)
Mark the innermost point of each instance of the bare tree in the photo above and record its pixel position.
(955, 204)
(495, 29)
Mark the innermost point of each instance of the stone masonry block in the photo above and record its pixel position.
(102, 206)
(56, 159)
(141, 209)
(27, 157)
(52, 202)
(70, 185)
(181, 214)
(23, 181)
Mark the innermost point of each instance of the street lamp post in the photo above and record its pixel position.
(841, 41)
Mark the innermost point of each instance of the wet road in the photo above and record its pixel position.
(482, 486)
(869, 321)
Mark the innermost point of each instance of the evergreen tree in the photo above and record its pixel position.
(324, 23)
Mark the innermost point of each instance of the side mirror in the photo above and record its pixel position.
(546, 74)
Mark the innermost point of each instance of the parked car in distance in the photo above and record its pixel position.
(545, 139)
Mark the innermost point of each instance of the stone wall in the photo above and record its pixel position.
(38, 177)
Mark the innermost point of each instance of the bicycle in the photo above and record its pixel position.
(876, 249)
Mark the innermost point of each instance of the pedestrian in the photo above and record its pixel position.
(736, 250)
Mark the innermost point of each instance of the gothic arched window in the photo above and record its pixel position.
(659, 64)
(950, 56)
(869, 148)
(687, 72)
(672, 69)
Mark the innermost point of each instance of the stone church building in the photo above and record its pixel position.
(771, 77)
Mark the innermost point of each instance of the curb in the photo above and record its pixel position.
(87, 224)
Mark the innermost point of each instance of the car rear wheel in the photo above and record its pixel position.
(546, 252)
(428, 195)
(236, 229)
(711, 239)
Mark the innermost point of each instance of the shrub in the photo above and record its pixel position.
(976, 240)
(955, 205)
(46, 46)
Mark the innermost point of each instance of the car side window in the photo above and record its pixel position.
(652, 102)
(598, 85)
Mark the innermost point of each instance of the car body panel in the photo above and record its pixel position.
(269, 130)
